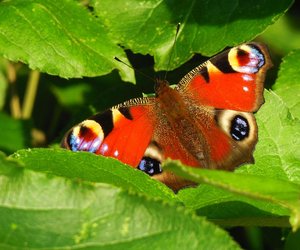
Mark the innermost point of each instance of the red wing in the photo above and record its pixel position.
(130, 137)
(231, 80)
(218, 142)
(123, 132)
(229, 138)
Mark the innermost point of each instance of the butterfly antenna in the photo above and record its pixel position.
(137, 70)
(172, 49)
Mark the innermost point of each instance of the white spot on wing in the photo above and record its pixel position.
(247, 78)
(246, 89)
(104, 149)
(96, 143)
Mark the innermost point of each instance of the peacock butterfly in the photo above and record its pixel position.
(205, 121)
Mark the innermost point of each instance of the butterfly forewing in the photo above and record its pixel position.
(231, 80)
(122, 132)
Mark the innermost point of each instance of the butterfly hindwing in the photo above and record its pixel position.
(207, 137)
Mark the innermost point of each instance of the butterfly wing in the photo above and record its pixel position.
(231, 80)
(231, 86)
(122, 132)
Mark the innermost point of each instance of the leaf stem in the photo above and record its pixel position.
(273, 221)
(15, 106)
(30, 94)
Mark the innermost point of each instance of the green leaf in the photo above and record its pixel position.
(292, 241)
(207, 26)
(59, 38)
(282, 36)
(14, 134)
(102, 92)
(41, 211)
(277, 153)
(229, 209)
(71, 95)
(287, 84)
(90, 167)
(279, 192)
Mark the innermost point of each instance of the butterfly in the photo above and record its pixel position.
(206, 121)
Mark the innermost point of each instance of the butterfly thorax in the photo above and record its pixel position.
(181, 119)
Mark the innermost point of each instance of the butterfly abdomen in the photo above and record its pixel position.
(186, 134)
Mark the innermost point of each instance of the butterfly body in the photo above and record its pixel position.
(205, 121)
(183, 134)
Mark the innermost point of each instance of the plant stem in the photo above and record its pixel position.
(30, 94)
(15, 106)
